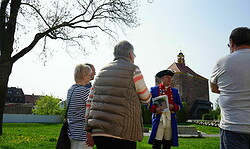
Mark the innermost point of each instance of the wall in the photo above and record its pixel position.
(29, 118)
(18, 108)
(191, 88)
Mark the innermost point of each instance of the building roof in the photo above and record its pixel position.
(200, 105)
(182, 68)
(31, 98)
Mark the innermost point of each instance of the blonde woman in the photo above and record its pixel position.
(77, 95)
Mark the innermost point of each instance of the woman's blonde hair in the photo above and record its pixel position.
(80, 71)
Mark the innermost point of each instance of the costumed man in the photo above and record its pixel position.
(164, 125)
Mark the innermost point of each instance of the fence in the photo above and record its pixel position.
(213, 123)
(29, 118)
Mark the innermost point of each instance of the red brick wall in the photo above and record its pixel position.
(18, 108)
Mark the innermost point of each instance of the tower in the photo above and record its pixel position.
(181, 58)
(193, 88)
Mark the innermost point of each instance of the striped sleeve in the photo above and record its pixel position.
(141, 87)
(88, 102)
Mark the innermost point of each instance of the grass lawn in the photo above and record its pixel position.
(188, 143)
(29, 136)
(205, 129)
(44, 136)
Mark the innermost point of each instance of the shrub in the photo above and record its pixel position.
(219, 117)
(207, 116)
(146, 115)
(47, 105)
(182, 114)
(215, 112)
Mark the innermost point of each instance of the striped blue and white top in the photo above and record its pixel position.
(76, 112)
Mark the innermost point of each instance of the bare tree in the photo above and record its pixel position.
(69, 21)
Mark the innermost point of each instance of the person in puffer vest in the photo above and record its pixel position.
(113, 110)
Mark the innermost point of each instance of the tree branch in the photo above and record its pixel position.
(20, 54)
(37, 37)
(113, 11)
(38, 12)
(86, 10)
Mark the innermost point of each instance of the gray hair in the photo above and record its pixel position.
(123, 48)
(80, 71)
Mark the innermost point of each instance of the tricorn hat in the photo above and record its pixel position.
(167, 72)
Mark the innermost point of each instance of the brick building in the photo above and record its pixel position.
(16, 102)
(15, 95)
(193, 88)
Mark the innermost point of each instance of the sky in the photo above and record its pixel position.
(198, 28)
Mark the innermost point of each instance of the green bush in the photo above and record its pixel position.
(219, 117)
(207, 116)
(215, 112)
(47, 105)
(146, 115)
(182, 114)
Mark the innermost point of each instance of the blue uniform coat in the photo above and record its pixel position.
(156, 117)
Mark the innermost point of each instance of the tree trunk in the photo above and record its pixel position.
(6, 48)
(5, 71)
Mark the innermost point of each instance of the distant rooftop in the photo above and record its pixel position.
(180, 67)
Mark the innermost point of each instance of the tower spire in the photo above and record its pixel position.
(180, 58)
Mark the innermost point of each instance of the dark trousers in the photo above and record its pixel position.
(113, 143)
(234, 140)
(166, 144)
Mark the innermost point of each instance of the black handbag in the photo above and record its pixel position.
(63, 140)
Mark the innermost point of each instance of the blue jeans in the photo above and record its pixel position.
(234, 140)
